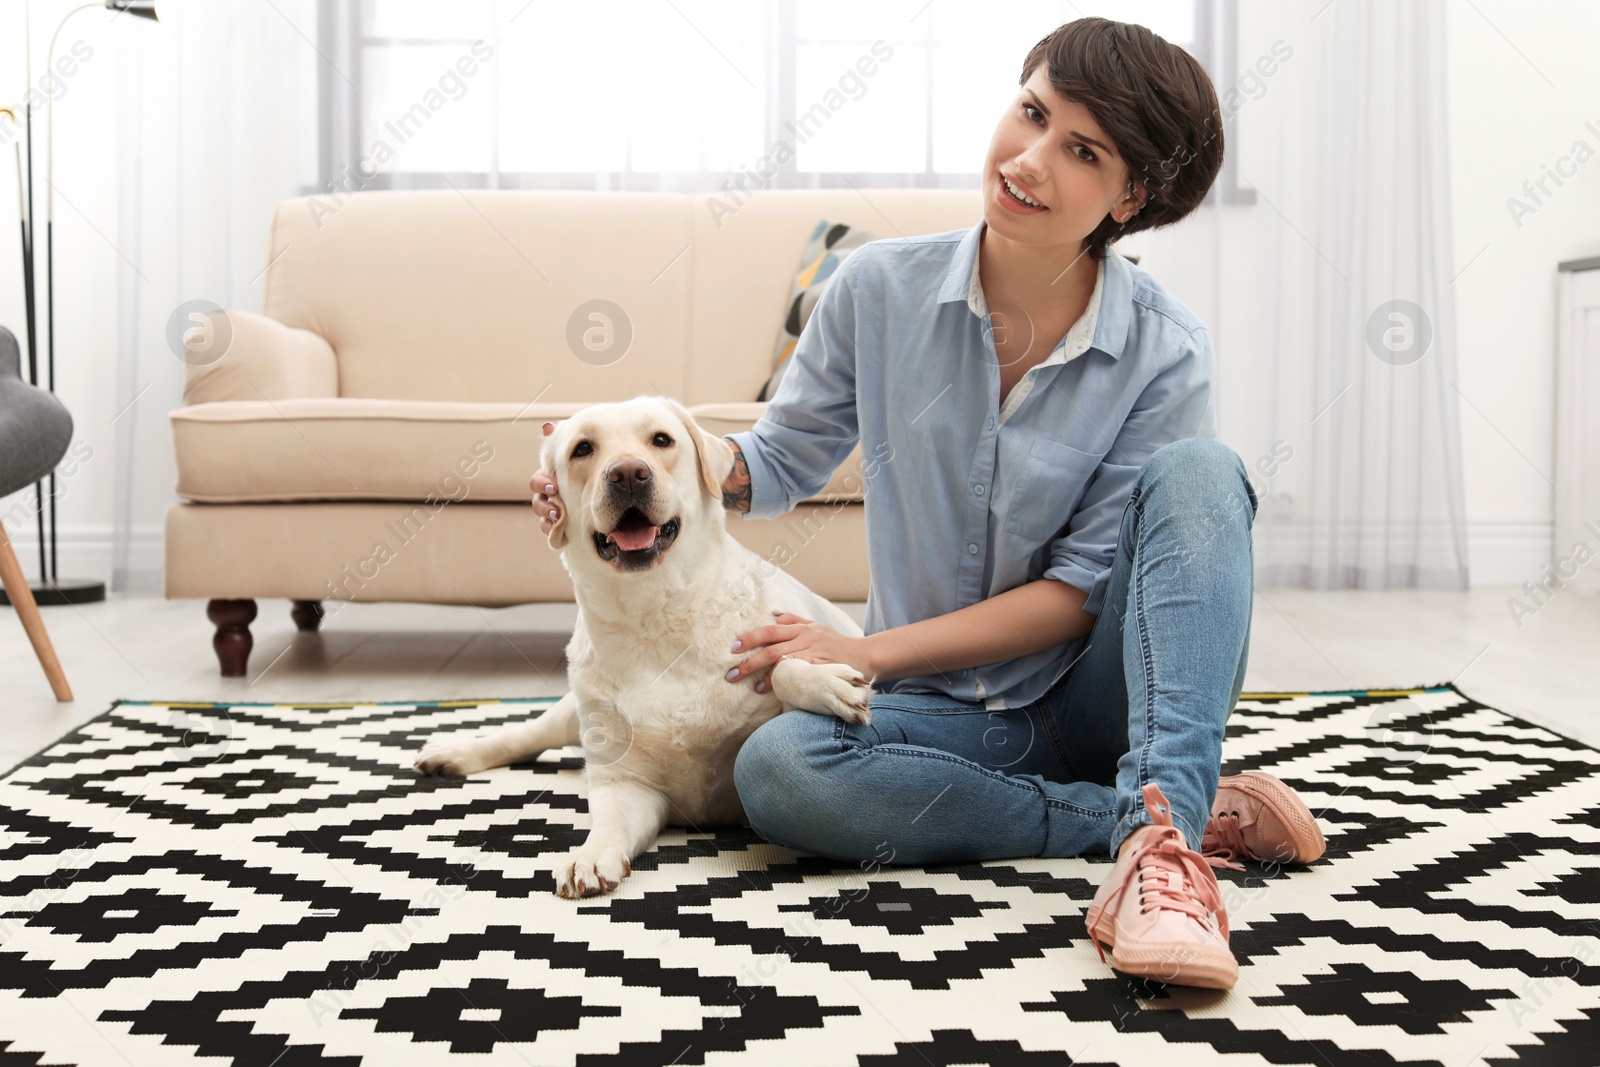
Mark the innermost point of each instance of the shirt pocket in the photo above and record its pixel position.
(1049, 486)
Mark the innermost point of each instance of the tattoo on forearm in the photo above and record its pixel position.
(736, 487)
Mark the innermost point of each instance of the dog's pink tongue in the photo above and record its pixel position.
(634, 540)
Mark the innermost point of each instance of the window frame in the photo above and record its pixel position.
(342, 45)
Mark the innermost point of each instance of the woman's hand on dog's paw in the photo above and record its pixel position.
(546, 499)
(764, 679)
(789, 635)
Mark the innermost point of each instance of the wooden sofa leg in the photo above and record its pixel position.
(307, 615)
(232, 641)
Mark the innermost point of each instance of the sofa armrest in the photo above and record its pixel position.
(263, 360)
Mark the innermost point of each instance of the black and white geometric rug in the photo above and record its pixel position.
(273, 885)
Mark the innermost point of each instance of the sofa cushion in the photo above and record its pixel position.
(742, 267)
(478, 295)
(829, 246)
(347, 448)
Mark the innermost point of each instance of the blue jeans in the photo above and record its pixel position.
(1145, 699)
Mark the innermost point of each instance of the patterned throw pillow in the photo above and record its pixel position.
(829, 246)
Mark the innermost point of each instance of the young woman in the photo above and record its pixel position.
(1060, 549)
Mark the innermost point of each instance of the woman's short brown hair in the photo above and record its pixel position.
(1156, 103)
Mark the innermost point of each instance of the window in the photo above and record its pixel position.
(688, 95)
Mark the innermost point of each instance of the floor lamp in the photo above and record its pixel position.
(51, 588)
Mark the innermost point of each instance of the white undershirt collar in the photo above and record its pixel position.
(1076, 342)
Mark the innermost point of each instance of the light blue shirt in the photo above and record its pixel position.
(966, 496)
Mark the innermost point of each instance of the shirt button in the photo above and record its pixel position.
(978, 489)
(989, 425)
(972, 549)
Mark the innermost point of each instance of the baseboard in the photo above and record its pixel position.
(1498, 552)
(87, 551)
(1509, 553)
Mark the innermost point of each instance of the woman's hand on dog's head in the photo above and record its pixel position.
(546, 499)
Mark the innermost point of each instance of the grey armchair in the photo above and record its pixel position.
(35, 429)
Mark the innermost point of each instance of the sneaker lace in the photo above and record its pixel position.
(1173, 877)
(1223, 843)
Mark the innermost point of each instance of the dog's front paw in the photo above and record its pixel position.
(836, 689)
(454, 757)
(588, 872)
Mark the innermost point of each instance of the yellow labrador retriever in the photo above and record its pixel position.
(662, 589)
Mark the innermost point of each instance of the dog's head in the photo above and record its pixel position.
(631, 475)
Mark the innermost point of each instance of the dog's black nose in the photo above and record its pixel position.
(627, 471)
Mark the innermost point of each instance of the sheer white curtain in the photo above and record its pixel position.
(1330, 298)
(216, 122)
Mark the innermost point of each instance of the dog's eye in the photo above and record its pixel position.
(661, 440)
(583, 448)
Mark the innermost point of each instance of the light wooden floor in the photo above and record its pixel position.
(145, 648)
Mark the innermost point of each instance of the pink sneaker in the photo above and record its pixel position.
(1258, 817)
(1160, 911)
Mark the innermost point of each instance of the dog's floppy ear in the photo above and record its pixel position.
(547, 462)
(715, 454)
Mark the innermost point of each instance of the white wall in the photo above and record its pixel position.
(173, 143)
(1521, 90)
(86, 267)
(1522, 87)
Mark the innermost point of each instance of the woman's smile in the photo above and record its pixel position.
(1007, 188)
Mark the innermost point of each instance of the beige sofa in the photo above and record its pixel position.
(369, 436)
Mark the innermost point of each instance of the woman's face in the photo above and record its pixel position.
(1060, 158)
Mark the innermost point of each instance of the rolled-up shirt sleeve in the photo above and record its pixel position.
(810, 425)
(1177, 404)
